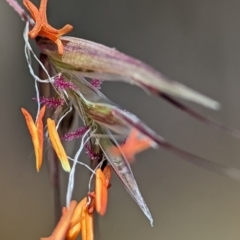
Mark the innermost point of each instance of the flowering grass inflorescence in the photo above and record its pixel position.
(74, 61)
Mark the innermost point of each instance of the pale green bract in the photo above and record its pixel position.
(94, 60)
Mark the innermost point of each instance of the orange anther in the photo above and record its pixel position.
(133, 145)
(36, 132)
(107, 171)
(101, 194)
(60, 231)
(87, 224)
(57, 145)
(75, 224)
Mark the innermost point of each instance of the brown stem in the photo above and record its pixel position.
(53, 165)
(46, 90)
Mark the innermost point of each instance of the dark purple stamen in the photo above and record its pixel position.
(96, 83)
(92, 155)
(51, 102)
(74, 134)
(60, 83)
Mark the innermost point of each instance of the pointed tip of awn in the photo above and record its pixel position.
(151, 223)
(203, 100)
(197, 97)
(213, 105)
(149, 216)
(179, 90)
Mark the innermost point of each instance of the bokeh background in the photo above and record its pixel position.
(193, 42)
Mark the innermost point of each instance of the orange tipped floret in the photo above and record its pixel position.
(36, 132)
(75, 224)
(57, 145)
(133, 145)
(42, 28)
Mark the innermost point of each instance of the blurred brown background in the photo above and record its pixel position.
(194, 42)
